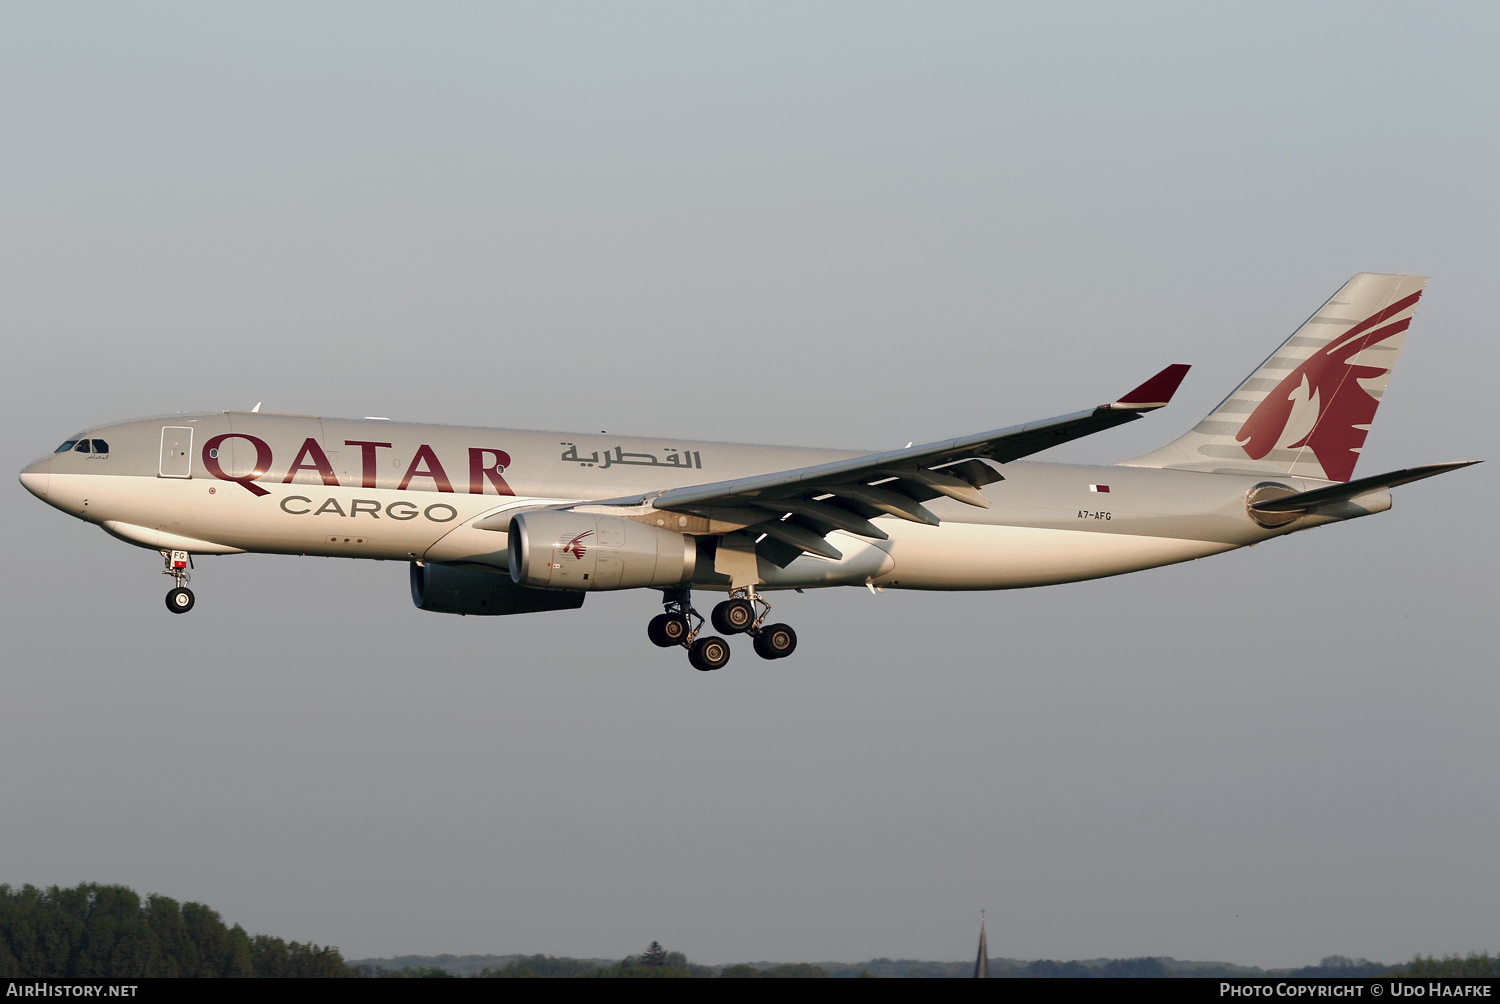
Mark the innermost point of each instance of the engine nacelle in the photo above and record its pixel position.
(445, 589)
(574, 550)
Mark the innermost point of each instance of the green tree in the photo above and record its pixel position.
(278, 959)
(39, 934)
(175, 951)
(1474, 964)
(94, 931)
(117, 940)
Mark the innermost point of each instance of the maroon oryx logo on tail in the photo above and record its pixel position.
(1321, 404)
(575, 546)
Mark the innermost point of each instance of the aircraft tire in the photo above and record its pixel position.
(708, 653)
(733, 616)
(666, 630)
(180, 600)
(776, 641)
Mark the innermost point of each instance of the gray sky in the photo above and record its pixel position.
(844, 225)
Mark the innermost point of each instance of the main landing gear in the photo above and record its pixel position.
(180, 598)
(743, 613)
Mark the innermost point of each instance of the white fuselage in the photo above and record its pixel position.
(389, 491)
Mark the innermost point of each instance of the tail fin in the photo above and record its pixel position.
(1307, 409)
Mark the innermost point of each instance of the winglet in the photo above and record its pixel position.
(1154, 393)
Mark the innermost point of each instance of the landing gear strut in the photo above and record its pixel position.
(180, 598)
(743, 613)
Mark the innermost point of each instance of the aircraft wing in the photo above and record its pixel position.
(793, 511)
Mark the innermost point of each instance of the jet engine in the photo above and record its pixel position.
(574, 550)
(446, 589)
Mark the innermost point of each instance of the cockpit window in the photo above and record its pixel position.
(83, 446)
(94, 446)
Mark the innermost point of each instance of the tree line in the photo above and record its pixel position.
(1474, 964)
(654, 963)
(108, 931)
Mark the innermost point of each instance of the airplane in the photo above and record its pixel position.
(502, 521)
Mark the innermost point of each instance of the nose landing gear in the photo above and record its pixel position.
(180, 599)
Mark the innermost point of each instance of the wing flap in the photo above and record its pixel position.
(942, 484)
(835, 516)
(892, 503)
(799, 537)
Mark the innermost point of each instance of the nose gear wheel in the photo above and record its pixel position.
(180, 598)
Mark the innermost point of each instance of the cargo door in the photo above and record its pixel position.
(176, 452)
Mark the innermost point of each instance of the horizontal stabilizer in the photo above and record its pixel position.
(1304, 501)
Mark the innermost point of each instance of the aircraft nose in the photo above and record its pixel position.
(37, 477)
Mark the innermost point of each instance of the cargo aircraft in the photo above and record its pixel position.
(499, 521)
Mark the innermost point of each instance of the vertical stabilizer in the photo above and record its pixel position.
(1306, 411)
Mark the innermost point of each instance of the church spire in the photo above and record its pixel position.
(982, 963)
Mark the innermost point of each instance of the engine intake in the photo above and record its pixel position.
(574, 550)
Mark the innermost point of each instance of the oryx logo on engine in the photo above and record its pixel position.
(575, 546)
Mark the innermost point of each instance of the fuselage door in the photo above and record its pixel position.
(176, 452)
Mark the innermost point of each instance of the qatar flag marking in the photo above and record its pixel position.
(1099, 488)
